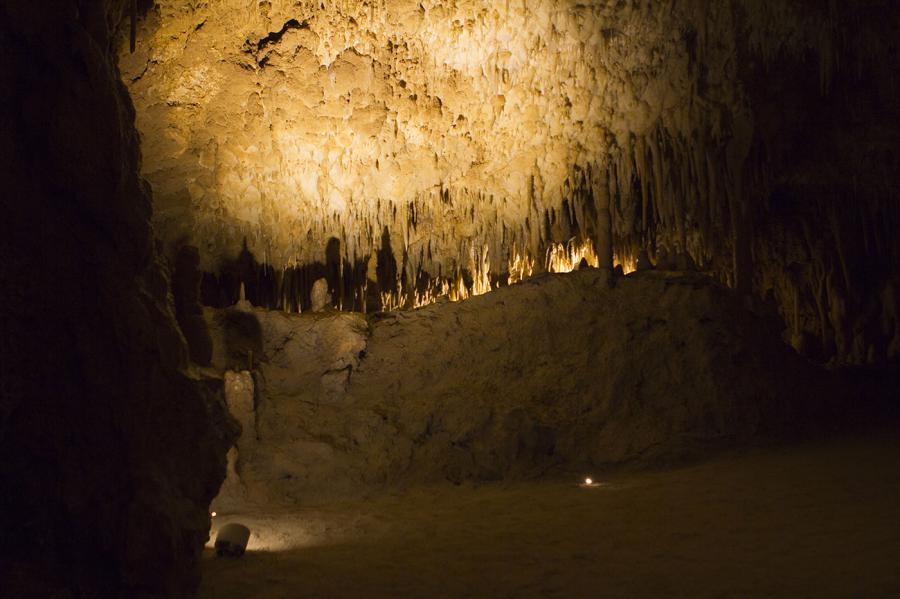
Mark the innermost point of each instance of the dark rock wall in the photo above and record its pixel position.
(788, 187)
(827, 207)
(110, 452)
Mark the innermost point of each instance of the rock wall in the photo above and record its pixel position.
(559, 371)
(755, 137)
(826, 202)
(111, 450)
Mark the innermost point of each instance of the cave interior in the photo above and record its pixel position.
(450, 297)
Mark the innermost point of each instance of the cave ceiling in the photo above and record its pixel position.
(462, 128)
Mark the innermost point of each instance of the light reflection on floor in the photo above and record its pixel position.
(279, 530)
(808, 521)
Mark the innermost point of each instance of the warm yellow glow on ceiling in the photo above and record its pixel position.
(353, 111)
(494, 129)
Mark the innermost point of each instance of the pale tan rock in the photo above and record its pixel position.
(515, 126)
(312, 117)
(559, 371)
(319, 295)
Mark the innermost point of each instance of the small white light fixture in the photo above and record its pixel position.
(213, 514)
(588, 481)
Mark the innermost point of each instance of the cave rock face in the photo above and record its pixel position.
(457, 125)
(112, 449)
(473, 136)
(560, 371)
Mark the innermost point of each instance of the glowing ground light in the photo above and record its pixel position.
(588, 481)
(213, 514)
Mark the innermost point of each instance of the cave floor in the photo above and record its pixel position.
(817, 520)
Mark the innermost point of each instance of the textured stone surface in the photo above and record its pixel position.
(111, 450)
(476, 133)
(461, 126)
(560, 370)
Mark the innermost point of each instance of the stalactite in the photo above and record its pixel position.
(485, 143)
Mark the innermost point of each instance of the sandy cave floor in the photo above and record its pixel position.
(817, 520)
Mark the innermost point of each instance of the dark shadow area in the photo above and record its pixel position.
(387, 265)
(243, 338)
(112, 447)
(188, 311)
(289, 288)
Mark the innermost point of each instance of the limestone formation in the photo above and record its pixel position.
(477, 135)
(409, 153)
(112, 448)
(560, 371)
(240, 398)
(319, 295)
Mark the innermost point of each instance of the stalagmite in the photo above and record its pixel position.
(319, 296)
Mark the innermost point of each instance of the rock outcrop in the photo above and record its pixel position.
(559, 371)
(111, 449)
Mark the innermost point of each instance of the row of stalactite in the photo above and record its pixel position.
(353, 286)
(656, 196)
(699, 195)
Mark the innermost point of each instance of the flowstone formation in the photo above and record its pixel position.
(421, 149)
(560, 371)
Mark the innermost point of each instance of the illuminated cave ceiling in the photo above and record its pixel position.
(473, 131)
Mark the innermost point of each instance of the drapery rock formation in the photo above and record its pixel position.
(478, 134)
(111, 450)
(559, 371)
